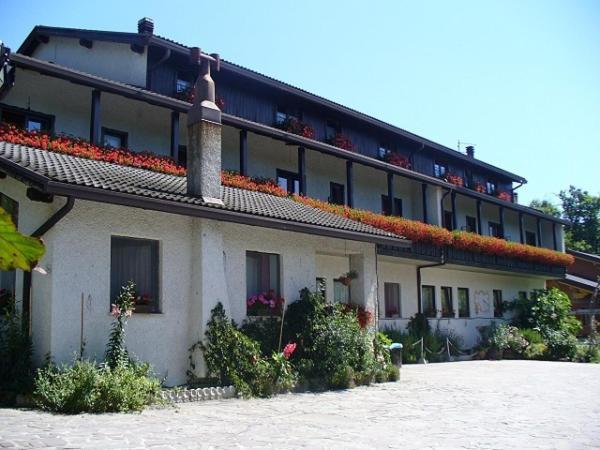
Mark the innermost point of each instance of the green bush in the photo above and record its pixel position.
(532, 336)
(16, 374)
(418, 326)
(561, 344)
(537, 350)
(87, 387)
(332, 348)
(507, 337)
(410, 352)
(384, 369)
(264, 330)
(588, 353)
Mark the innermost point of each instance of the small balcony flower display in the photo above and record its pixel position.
(346, 279)
(186, 95)
(364, 316)
(455, 179)
(342, 141)
(296, 126)
(397, 159)
(480, 188)
(265, 304)
(503, 195)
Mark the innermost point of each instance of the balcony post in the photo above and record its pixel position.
(243, 152)
(424, 201)
(521, 229)
(349, 185)
(501, 217)
(175, 136)
(479, 228)
(539, 232)
(390, 194)
(453, 204)
(302, 169)
(554, 240)
(95, 118)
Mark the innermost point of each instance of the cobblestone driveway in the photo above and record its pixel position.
(482, 404)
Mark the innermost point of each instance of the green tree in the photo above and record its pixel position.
(546, 207)
(582, 209)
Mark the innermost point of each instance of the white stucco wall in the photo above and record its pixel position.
(106, 59)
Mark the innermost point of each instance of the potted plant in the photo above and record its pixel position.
(455, 179)
(265, 304)
(347, 277)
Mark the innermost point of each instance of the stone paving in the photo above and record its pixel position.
(478, 404)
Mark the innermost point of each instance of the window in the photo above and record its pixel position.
(471, 224)
(468, 178)
(183, 83)
(182, 155)
(522, 295)
(498, 304)
(439, 169)
(114, 138)
(288, 181)
(136, 260)
(391, 294)
(332, 129)
(530, 238)
(336, 193)
(341, 292)
(490, 187)
(322, 286)
(448, 220)
(262, 273)
(464, 309)
(428, 299)
(8, 279)
(382, 151)
(282, 113)
(495, 229)
(447, 309)
(385, 206)
(23, 118)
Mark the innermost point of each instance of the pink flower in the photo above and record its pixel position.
(289, 349)
(115, 311)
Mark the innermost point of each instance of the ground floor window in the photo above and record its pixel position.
(135, 260)
(428, 300)
(522, 295)
(321, 286)
(447, 309)
(463, 303)
(392, 300)
(498, 303)
(341, 292)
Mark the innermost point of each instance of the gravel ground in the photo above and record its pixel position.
(478, 404)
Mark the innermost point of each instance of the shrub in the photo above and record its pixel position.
(532, 336)
(418, 326)
(264, 330)
(537, 350)
(561, 344)
(507, 337)
(588, 353)
(15, 352)
(87, 387)
(410, 352)
(383, 359)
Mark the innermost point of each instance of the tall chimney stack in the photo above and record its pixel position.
(146, 26)
(204, 138)
(470, 151)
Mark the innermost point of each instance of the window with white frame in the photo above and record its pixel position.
(464, 309)
(391, 295)
(447, 308)
(428, 300)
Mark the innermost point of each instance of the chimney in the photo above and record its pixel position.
(204, 137)
(470, 151)
(146, 26)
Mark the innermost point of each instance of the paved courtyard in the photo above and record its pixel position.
(479, 404)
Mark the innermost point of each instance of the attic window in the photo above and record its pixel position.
(182, 85)
(332, 129)
(283, 113)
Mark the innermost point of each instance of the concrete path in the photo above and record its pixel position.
(479, 404)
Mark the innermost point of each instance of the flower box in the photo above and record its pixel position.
(296, 126)
(397, 159)
(341, 141)
(503, 195)
(454, 179)
(265, 304)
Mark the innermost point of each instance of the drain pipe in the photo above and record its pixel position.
(427, 266)
(27, 276)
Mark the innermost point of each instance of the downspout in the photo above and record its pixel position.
(427, 266)
(521, 183)
(27, 276)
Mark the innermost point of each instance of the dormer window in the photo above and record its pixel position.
(439, 169)
(490, 187)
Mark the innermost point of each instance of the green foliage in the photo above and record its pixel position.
(546, 207)
(410, 352)
(582, 209)
(532, 336)
(546, 311)
(236, 359)
(87, 387)
(15, 352)
(116, 353)
(383, 358)
(561, 344)
(418, 326)
(508, 337)
(16, 250)
(588, 353)
(536, 350)
(264, 330)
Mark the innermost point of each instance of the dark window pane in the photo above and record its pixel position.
(428, 298)
(336, 194)
(135, 260)
(471, 224)
(114, 138)
(530, 238)
(392, 300)
(448, 220)
(464, 309)
(385, 206)
(322, 286)
(288, 181)
(495, 229)
(447, 309)
(498, 304)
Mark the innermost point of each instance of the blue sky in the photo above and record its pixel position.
(519, 79)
